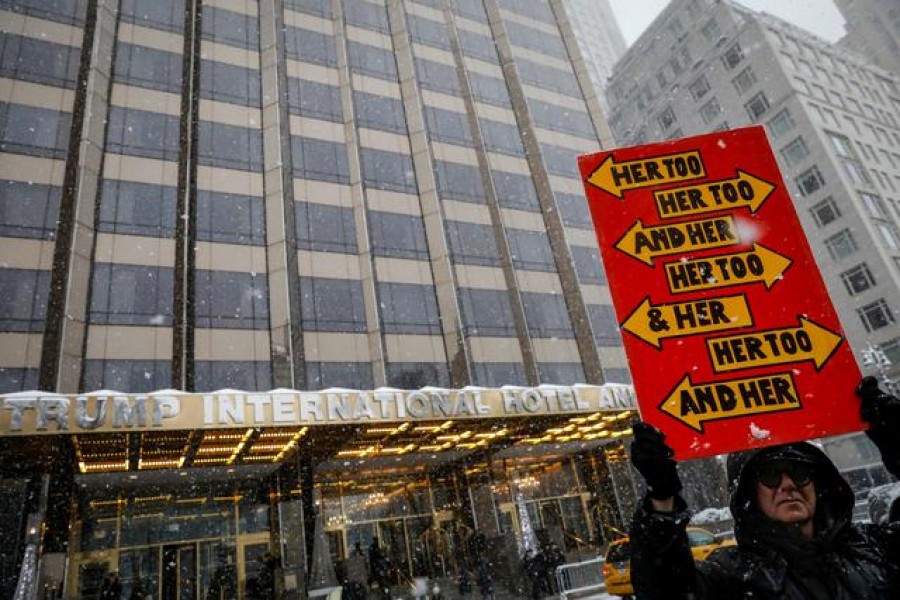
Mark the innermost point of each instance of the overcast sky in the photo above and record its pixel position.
(820, 17)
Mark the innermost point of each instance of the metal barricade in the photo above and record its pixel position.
(581, 579)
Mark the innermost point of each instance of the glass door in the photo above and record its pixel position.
(179, 572)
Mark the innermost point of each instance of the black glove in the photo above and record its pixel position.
(653, 459)
(882, 411)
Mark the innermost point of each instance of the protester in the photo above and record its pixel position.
(792, 512)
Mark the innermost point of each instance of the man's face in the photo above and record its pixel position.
(786, 493)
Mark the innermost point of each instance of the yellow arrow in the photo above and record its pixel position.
(770, 347)
(646, 243)
(656, 322)
(744, 191)
(617, 177)
(695, 405)
(725, 270)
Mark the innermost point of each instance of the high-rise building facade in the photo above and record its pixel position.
(833, 120)
(873, 29)
(599, 38)
(300, 193)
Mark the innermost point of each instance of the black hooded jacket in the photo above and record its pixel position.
(843, 561)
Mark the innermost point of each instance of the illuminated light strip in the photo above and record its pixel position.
(104, 466)
(215, 450)
(159, 463)
(258, 457)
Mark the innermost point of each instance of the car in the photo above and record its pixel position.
(617, 564)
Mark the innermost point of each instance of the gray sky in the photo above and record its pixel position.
(820, 17)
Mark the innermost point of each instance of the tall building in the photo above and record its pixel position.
(873, 29)
(366, 196)
(599, 38)
(833, 120)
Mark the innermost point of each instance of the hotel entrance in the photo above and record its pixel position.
(314, 481)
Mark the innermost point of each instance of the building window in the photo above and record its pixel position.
(795, 152)
(408, 308)
(710, 110)
(711, 31)
(733, 56)
(841, 145)
(781, 123)
(699, 87)
(825, 212)
(231, 300)
(744, 81)
(875, 315)
(809, 181)
(667, 118)
(841, 244)
(332, 305)
(757, 106)
(891, 349)
(874, 205)
(858, 279)
(890, 235)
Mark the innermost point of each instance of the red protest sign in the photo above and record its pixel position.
(730, 334)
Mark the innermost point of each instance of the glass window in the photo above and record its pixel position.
(137, 208)
(28, 210)
(369, 60)
(314, 99)
(744, 80)
(733, 56)
(325, 228)
(379, 112)
(38, 61)
(142, 133)
(310, 46)
(604, 325)
(230, 218)
(710, 110)
(535, 39)
(486, 313)
(874, 205)
(351, 375)
(388, 170)
(795, 152)
(810, 181)
(858, 279)
(230, 28)
(229, 146)
(131, 295)
(549, 78)
(137, 376)
(412, 376)
(397, 235)
(876, 315)
(711, 31)
(167, 15)
(23, 299)
(841, 244)
(490, 90)
(367, 15)
(515, 191)
(448, 126)
(320, 8)
(757, 106)
(458, 182)
(699, 87)
(149, 68)
(498, 374)
(472, 244)
(560, 118)
(437, 77)
(561, 160)
(332, 305)
(34, 131)
(560, 372)
(530, 250)
(502, 137)
(547, 315)
(231, 300)
(408, 308)
(229, 83)
(666, 118)
(588, 265)
(319, 159)
(781, 123)
(825, 212)
(427, 32)
(477, 46)
(236, 375)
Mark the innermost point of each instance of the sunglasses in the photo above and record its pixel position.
(770, 474)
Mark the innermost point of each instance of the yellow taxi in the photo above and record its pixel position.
(617, 565)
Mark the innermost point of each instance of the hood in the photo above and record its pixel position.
(834, 497)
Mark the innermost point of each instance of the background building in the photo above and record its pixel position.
(302, 194)
(833, 119)
(873, 29)
(599, 38)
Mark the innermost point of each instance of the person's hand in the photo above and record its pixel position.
(653, 459)
(882, 411)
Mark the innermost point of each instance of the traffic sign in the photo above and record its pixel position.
(730, 333)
